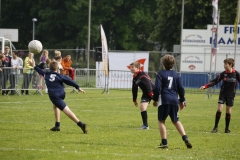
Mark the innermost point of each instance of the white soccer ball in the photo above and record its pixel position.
(35, 46)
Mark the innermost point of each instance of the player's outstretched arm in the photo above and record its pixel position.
(202, 87)
(81, 90)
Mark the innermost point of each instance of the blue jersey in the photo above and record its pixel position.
(54, 80)
(168, 87)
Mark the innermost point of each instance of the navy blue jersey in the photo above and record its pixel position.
(54, 80)
(168, 87)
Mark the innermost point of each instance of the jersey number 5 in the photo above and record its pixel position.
(52, 77)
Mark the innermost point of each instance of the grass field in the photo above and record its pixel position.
(113, 123)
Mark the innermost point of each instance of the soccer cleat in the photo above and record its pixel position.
(227, 131)
(55, 129)
(214, 130)
(84, 128)
(188, 144)
(144, 127)
(163, 146)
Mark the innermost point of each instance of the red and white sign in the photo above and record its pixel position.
(119, 72)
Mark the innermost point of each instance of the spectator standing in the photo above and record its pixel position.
(58, 59)
(16, 64)
(27, 73)
(2, 64)
(6, 71)
(43, 59)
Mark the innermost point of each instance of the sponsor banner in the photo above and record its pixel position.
(204, 36)
(104, 52)
(120, 75)
(197, 48)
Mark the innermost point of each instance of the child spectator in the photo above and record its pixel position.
(43, 58)
(66, 64)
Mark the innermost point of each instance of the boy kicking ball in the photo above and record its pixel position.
(54, 82)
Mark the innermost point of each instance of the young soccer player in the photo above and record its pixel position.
(142, 80)
(165, 95)
(54, 82)
(227, 93)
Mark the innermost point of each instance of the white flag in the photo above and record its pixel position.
(215, 11)
(104, 52)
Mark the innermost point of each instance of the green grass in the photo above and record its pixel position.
(113, 124)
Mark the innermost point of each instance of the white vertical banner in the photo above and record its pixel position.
(104, 52)
(215, 10)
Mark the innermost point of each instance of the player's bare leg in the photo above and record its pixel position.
(181, 130)
(73, 117)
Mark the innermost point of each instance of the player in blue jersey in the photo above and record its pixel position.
(54, 82)
(229, 79)
(167, 88)
(142, 80)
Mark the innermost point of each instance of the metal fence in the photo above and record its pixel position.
(22, 81)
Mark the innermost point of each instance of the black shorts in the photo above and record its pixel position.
(57, 99)
(228, 100)
(165, 110)
(146, 98)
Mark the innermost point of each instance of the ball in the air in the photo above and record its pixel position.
(35, 46)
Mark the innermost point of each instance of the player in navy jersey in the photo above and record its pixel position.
(54, 82)
(142, 80)
(167, 88)
(229, 79)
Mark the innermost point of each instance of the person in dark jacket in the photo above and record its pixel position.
(144, 82)
(229, 79)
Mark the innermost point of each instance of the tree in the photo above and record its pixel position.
(197, 15)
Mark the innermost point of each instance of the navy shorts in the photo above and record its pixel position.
(228, 100)
(57, 99)
(165, 110)
(146, 98)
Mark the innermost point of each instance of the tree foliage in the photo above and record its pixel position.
(128, 24)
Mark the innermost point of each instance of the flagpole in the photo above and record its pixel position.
(89, 30)
(182, 18)
(216, 43)
(210, 74)
(236, 40)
